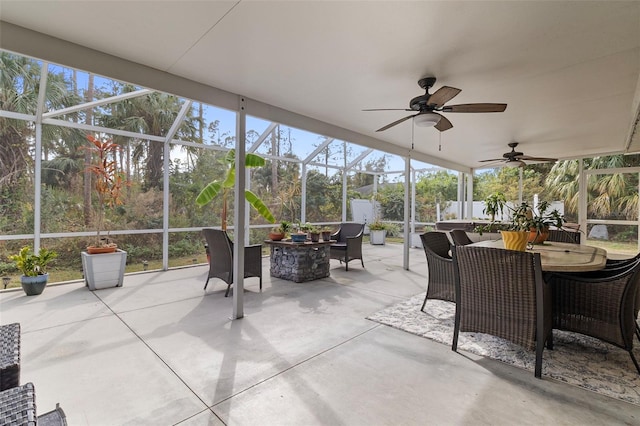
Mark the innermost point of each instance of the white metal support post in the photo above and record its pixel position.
(413, 203)
(38, 160)
(407, 235)
(165, 181)
(582, 198)
(344, 195)
(470, 195)
(303, 196)
(520, 183)
(239, 219)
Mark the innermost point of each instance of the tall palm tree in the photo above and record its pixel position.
(151, 114)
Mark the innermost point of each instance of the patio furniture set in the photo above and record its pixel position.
(18, 402)
(289, 260)
(523, 296)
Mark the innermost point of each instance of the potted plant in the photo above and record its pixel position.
(525, 226)
(540, 220)
(108, 185)
(314, 233)
(224, 186)
(34, 268)
(103, 263)
(378, 232)
(326, 233)
(494, 204)
(280, 232)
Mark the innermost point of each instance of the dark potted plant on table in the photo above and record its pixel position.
(314, 233)
(103, 263)
(325, 231)
(34, 268)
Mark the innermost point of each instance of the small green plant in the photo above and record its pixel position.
(31, 264)
(494, 204)
(523, 218)
(378, 226)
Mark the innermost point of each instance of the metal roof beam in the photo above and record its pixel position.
(99, 102)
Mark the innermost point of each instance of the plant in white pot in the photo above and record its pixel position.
(378, 233)
(103, 263)
(34, 268)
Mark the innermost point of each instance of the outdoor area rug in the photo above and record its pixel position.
(575, 359)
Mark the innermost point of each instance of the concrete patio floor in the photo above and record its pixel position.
(161, 351)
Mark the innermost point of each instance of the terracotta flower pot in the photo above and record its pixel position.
(100, 250)
(536, 237)
(276, 236)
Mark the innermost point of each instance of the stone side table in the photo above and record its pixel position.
(299, 262)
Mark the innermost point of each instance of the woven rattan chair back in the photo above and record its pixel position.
(221, 258)
(565, 236)
(502, 293)
(603, 304)
(440, 278)
(348, 243)
(460, 237)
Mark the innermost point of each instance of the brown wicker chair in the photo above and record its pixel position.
(221, 258)
(9, 356)
(602, 304)
(348, 243)
(502, 293)
(460, 237)
(441, 278)
(562, 235)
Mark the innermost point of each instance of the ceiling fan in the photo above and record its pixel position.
(515, 158)
(428, 106)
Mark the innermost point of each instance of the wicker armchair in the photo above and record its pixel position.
(348, 243)
(9, 356)
(562, 235)
(221, 258)
(460, 237)
(602, 304)
(441, 278)
(502, 293)
(18, 408)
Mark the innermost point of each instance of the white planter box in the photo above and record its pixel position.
(104, 270)
(416, 241)
(377, 237)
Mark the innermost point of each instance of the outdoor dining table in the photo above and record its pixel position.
(562, 257)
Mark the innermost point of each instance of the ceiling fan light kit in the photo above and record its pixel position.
(428, 105)
(514, 163)
(515, 158)
(428, 119)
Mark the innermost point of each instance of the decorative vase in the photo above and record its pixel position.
(536, 237)
(33, 286)
(276, 236)
(515, 240)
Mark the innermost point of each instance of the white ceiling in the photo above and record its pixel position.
(569, 71)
